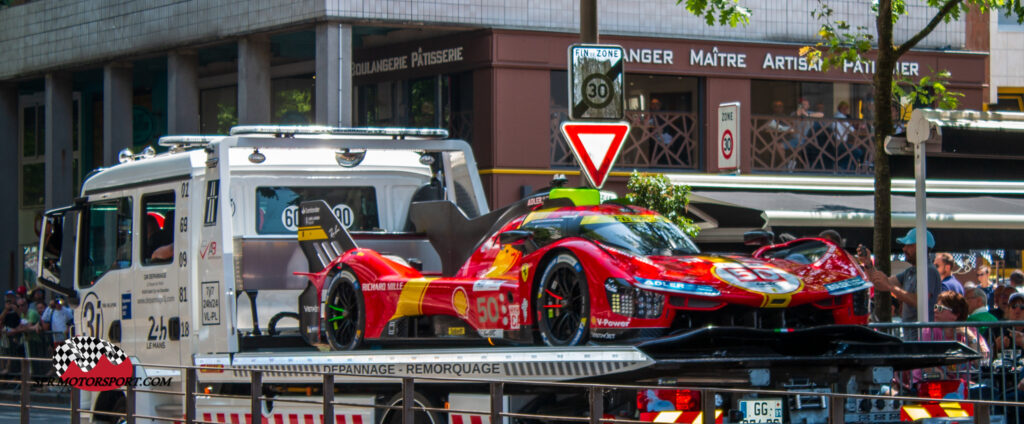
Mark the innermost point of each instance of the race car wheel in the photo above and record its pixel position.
(344, 313)
(563, 303)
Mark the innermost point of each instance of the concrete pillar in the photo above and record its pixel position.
(117, 110)
(9, 171)
(182, 92)
(254, 80)
(334, 75)
(59, 190)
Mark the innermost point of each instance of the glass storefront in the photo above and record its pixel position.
(440, 101)
(817, 127)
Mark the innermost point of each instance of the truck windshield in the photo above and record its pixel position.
(278, 207)
(647, 235)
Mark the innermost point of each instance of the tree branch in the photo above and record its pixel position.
(909, 44)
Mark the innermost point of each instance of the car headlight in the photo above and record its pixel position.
(626, 300)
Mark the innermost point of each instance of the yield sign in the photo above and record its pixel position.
(596, 146)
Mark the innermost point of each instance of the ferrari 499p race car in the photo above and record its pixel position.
(563, 271)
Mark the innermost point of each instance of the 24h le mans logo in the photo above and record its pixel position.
(92, 364)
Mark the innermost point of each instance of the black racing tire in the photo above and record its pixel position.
(272, 325)
(563, 303)
(344, 312)
(393, 414)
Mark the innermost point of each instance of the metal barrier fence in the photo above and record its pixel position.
(984, 384)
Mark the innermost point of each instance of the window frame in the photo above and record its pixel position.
(86, 235)
(143, 239)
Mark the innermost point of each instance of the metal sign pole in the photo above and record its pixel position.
(588, 21)
(922, 233)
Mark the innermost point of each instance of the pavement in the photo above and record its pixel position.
(45, 395)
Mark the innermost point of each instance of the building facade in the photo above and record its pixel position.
(82, 80)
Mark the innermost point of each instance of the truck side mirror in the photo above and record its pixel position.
(758, 238)
(514, 236)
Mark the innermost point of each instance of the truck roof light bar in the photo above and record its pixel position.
(178, 143)
(288, 131)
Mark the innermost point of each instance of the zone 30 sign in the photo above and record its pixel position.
(595, 81)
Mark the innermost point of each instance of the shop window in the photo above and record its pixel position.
(33, 149)
(444, 101)
(292, 101)
(812, 127)
(422, 103)
(218, 109)
(157, 238)
(661, 93)
(457, 105)
(33, 192)
(355, 207)
(106, 239)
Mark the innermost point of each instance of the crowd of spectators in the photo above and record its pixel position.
(31, 326)
(978, 301)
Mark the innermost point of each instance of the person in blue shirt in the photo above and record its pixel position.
(944, 263)
(904, 285)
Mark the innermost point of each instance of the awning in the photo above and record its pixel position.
(965, 222)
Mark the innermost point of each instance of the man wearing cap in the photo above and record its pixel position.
(904, 285)
(1012, 336)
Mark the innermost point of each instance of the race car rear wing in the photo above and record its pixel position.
(456, 236)
(321, 235)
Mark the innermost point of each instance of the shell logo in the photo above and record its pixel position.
(460, 302)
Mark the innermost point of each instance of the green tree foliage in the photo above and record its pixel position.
(227, 117)
(657, 193)
(720, 12)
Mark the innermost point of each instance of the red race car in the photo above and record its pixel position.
(561, 269)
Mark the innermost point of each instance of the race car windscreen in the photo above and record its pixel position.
(647, 235)
(278, 207)
(802, 252)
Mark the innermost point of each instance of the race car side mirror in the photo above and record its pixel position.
(514, 236)
(758, 238)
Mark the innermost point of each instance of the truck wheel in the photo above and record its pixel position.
(120, 407)
(393, 415)
(563, 302)
(344, 312)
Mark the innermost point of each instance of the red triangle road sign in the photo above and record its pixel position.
(596, 146)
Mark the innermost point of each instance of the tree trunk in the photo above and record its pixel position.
(884, 67)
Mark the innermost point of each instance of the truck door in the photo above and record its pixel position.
(154, 295)
(104, 261)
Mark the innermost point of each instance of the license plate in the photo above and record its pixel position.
(761, 410)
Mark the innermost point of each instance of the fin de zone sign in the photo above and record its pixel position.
(596, 146)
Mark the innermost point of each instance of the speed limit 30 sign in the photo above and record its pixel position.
(595, 81)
